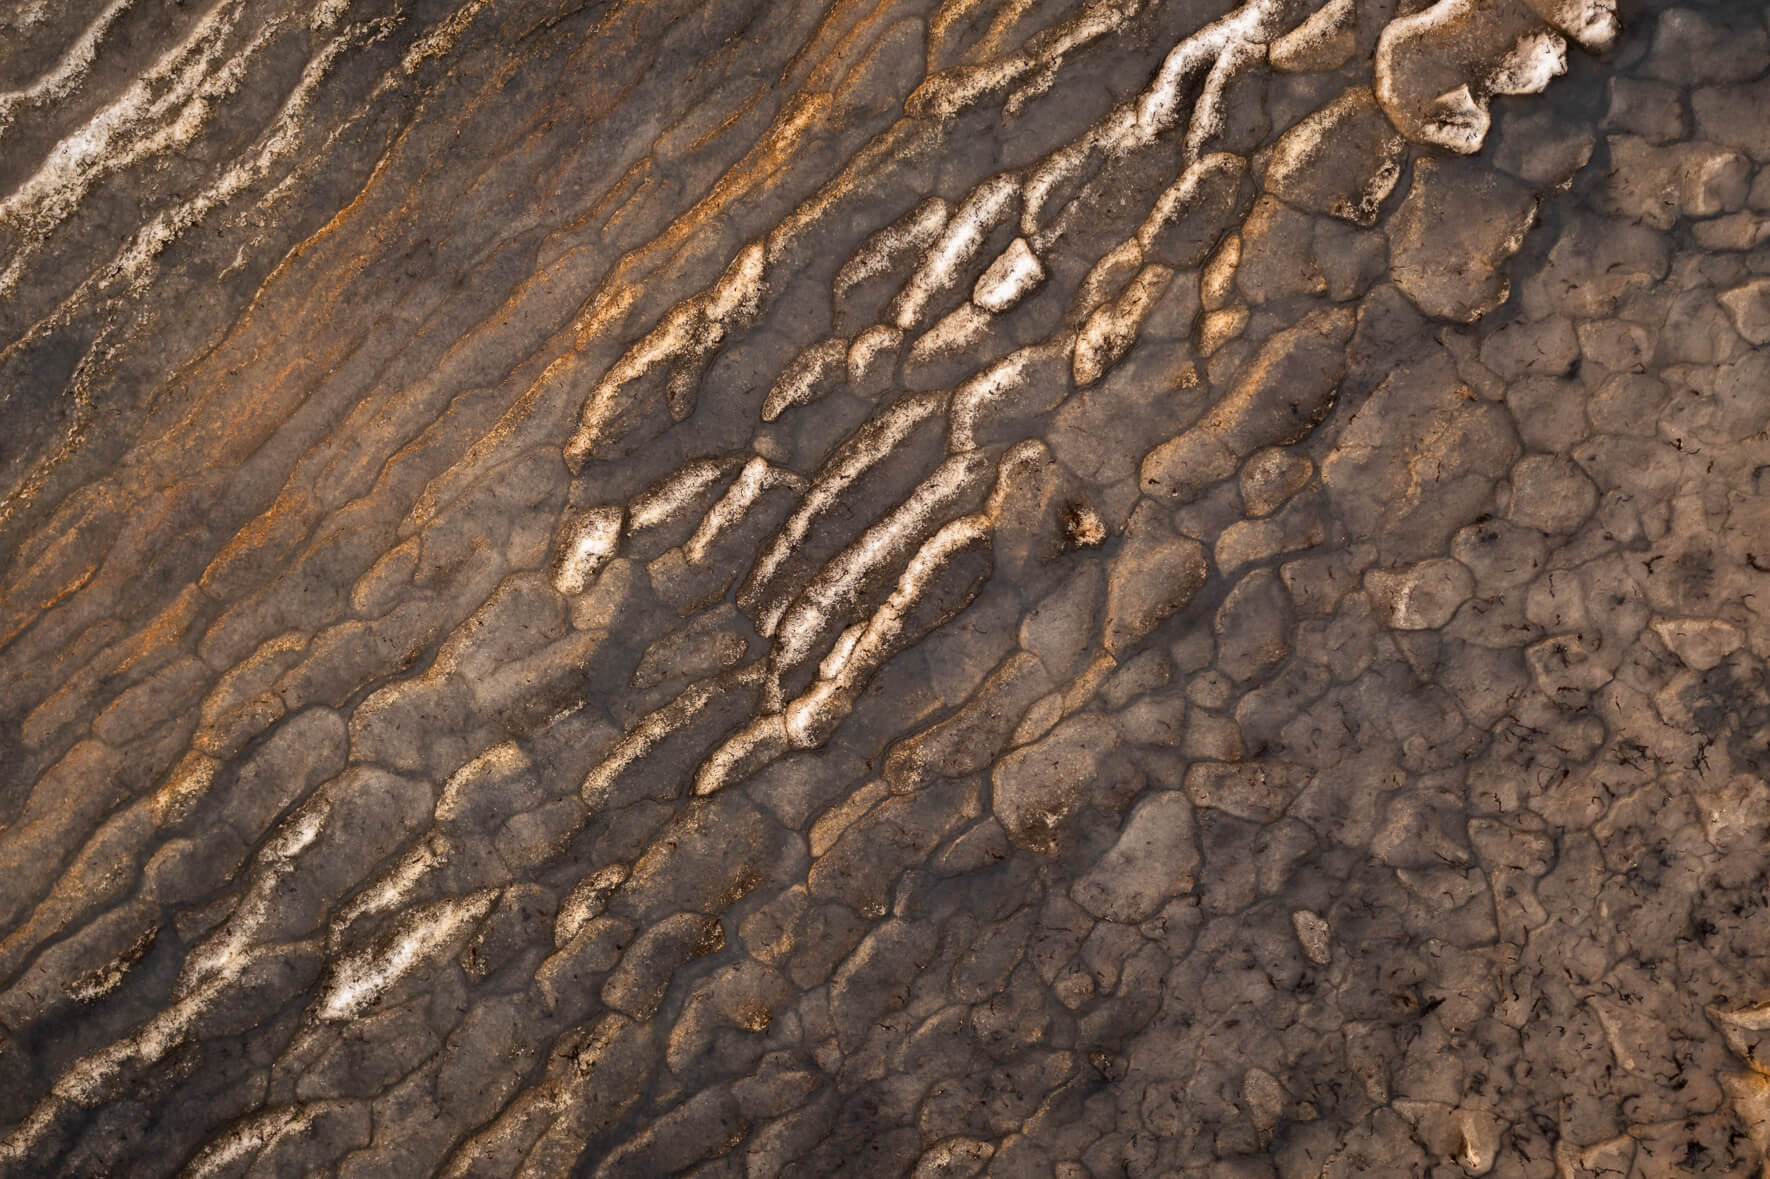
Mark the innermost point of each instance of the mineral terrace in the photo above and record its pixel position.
(939, 588)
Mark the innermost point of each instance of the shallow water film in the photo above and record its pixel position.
(1018, 588)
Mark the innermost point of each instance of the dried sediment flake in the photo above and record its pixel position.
(1534, 61)
(585, 547)
(894, 245)
(1436, 68)
(960, 242)
(362, 978)
(1014, 273)
(1455, 228)
(806, 378)
(1343, 160)
(1167, 589)
(672, 496)
(1325, 40)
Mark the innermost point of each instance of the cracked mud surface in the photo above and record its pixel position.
(931, 587)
